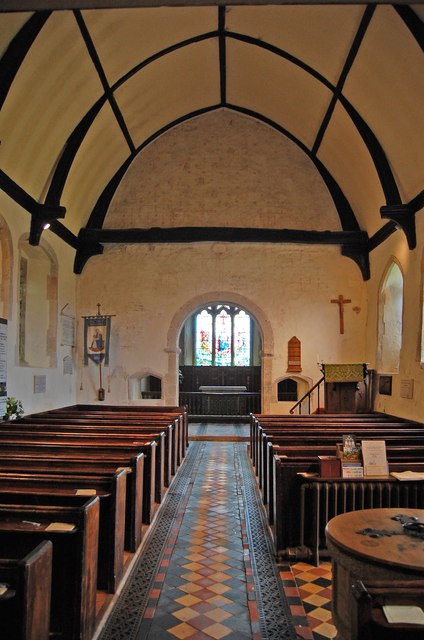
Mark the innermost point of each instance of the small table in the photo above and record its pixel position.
(358, 556)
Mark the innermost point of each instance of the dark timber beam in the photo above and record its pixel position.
(41, 214)
(86, 250)
(354, 244)
(403, 216)
(357, 239)
(31, 5)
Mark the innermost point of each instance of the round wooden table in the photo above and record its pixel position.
(358, 556)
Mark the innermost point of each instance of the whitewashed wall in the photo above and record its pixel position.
(60, 387)
(223, 170)
(410, 368)
(220, 170)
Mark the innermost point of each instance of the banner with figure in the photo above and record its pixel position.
(96, 339)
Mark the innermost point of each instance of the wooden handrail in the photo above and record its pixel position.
(307, 395)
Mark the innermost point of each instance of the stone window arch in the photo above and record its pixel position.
(290, 386)
(390, 319)
(287, 390)
(38, 305)
(6, 260)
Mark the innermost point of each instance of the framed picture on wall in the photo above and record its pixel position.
(385, 385)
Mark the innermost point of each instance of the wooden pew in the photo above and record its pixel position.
(138, 410)
(299, 433)
(395, 454)
(110, 431)
(25, 602)
(87, 449)
(54, 464)
(89, 436)
(324, 443)
(296, 430)
(325, 446)
(32, 488)
(288, 518)
(371, 622)
(321, 421)
(124, 417)
(74, 566)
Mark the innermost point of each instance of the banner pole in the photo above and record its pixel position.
(101, 390)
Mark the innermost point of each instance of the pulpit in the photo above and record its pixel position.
(346, 390)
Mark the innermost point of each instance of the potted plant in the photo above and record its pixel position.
(14, 409)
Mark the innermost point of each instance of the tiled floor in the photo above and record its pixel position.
(204, 588)
(308, 591)
(205, 584)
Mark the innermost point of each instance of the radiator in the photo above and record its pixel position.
(320, 501)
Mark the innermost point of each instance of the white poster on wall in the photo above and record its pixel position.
(3, 365)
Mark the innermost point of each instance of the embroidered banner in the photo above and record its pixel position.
(344, 372)
(96, 339)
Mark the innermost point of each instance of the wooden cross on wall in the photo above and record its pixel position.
(341, 301)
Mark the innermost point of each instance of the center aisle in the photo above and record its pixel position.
(206, 569)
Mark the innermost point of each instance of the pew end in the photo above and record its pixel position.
(25, 603)
(371, 619)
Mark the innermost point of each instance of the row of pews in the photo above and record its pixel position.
(79, 487)
(284, 452)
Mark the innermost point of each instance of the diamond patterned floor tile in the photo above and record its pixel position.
(206, 583)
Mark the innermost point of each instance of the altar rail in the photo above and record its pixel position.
(220, 404)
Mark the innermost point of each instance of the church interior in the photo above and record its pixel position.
(214, 210)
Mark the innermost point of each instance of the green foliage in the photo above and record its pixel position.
(14, 409)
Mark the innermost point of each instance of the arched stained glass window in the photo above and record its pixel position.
(222, 337)
(241, 339)
(203, 346)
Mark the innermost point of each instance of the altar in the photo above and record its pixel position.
(222, 389)
(224, 400)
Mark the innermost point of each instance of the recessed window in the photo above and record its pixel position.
(390, 320)
(145, 387)
(287, 390)
(38, 272)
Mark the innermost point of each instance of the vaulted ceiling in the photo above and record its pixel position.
(84, 91)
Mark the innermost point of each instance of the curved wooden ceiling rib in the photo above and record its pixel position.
(113, 93)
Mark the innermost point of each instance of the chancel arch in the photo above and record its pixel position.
(390, 320)
(262, 337)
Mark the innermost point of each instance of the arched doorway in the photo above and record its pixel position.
(220, 361)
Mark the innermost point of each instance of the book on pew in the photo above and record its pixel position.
(403, 614)
(408, 475)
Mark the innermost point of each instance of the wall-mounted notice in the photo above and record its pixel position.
(68, 330)
(3, 365)
(67, 365)
(40, 384)
(407, 389)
